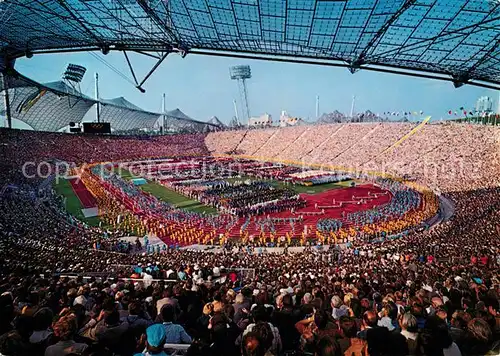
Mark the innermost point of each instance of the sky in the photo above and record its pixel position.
(201, 87)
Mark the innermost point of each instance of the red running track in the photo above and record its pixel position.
(86, 199)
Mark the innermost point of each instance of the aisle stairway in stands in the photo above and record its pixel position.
(393, 145)
(262, 150)
(413, 145)
(279, 141)
(412, 132)
(236, 148)
(254, 139)
(344, 157)
(311, 153)
(279, 154)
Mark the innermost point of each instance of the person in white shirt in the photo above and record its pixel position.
(338, 309)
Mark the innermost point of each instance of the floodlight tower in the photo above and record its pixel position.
(241, 74)
(73, 76)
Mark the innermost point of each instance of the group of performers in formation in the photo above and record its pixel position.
(245, 204)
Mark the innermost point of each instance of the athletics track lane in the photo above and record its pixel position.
(86, 199)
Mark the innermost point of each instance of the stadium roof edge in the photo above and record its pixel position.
(311, 60)
(456, 39)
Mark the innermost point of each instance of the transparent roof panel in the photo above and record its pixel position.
(458, 38)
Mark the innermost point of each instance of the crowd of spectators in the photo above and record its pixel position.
(438, 155)
(20, 146)
(432, 292)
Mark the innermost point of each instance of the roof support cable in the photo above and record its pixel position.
(130, 67)
(151, 71)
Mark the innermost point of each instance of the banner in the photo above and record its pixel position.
(31, 100)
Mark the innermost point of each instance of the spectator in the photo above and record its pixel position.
(479, 339)
(175, 332)
(42, 333)
(388, 317)
(284, 319)
(338, 309)
(65, 330)
(155, 341)
(409, 330)
(137, 319)
(435, 339)
(168, 299)
(369, 322)
(351, 345)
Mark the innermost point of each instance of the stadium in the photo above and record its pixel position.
(126, 231)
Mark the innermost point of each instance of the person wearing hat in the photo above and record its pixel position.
(155, 340)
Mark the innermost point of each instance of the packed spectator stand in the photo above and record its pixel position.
(431, 292)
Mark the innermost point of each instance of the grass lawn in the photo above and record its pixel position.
(125, 174)
(314, 189)
(171, 196)
(180, 201)
(73, 205)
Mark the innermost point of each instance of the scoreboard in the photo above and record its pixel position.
(97, 127)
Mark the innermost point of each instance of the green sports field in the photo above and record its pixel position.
(180, 201)
(301, 188)
(170, 196)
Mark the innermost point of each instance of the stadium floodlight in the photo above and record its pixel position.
(181, 50)
(241, 73)
(460, 80)
(105, 49)
(74, 73)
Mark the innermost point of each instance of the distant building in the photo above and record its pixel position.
(286, 120)
(484, 104)
(260, 121)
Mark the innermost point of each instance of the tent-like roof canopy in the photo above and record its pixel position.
(215, 120)
(452, 39)
(52, 106)
(47, 107)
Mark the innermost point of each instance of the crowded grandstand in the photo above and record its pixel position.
(351, 236)
(385, 244)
